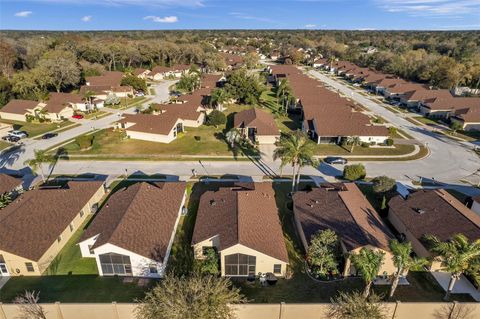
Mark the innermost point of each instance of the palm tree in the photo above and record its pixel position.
(403, 260)
(40, 157)
(295, 149)
(87, 96)
(332, 59)
(217, 98)
(368, 262)
(457, 255)
(353, 141)
(233, 136)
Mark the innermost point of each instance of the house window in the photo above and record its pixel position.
(153, 269)
(277, 269)
(115, 264)
(71, 227)
(59, 238)
(81, 213)
(29, 267)
(90, 249)
(240, 265)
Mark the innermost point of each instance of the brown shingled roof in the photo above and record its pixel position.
(32, 223)
(8, 183)
(148, 123)
(262, 121)
(435, 212)
(58, 101)
(109, 78)
(19, 106)
(140, 218)
(343, 209)
(232, 214)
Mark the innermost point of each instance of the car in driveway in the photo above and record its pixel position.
(47, 136)
(335, 160)
(17, 133)
(11, 139)
(77, 116)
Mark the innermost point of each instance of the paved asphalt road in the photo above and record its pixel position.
(16, 158)
(449, 160)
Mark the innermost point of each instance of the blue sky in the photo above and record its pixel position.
(240, 14)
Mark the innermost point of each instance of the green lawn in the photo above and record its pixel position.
(286, 123)
(333, 149)
(34, 129)
(80, 288)
(69, 261)
(128, 102)
(428, 121)
(4, 145)
(204, 140)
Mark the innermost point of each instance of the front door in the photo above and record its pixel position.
(3, 267)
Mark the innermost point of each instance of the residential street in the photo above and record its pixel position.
(449, 160)
(15, 158)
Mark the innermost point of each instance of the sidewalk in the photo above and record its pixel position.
(462, 286)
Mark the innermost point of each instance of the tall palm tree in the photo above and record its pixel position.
(403, 260)
(40, 157)
(352, 141)
(457, 255)
(217, 98)
(332, 59)
(368, 262)
(295, 149)
(233, 136)
(88, 96)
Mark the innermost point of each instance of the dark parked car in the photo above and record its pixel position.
(49, 135)
(11, 138)
(335, 160)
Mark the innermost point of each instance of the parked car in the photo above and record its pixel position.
(140, 93)
(335, 160)
(77, 116)
(47, 136)
(17, 133)
(11, 138)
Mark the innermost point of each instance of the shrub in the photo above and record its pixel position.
(365, 145)
(389, 142)
(383, 184)
(393, 131)
(85, 141)
(354, 172)
(216, 118)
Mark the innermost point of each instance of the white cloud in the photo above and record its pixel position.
(23, 14)
(431, 7)
(310, 26)
(87, 18)
(169, 19)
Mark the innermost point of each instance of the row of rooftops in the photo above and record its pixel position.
(334, 116)
(141, 217)
(55, 104)
(465, 108)
(170, 114)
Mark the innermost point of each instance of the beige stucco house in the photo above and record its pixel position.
(343, 209)
(38, 224)
(17, 110)
(257, 126)
(228, 221)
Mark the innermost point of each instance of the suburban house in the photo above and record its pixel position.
(257, 125)
(17, 110)
(468, 118)
(415, 98)
(318, 63)
(141, 73)
(38, 224)
(327, 117)
(161, 72)
(10, 184)
(343, 209)
(431, 212)
(61, 106)
(233, 61)
(108, 83)
(396, 91)
(247, 236)
(162, 128)
(133, 233)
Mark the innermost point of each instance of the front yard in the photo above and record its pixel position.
(4, 145)
(35, 129)
(338, 150)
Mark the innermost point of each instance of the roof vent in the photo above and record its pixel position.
(420, 211)
(213, 202)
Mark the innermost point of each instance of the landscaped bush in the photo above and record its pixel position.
(85, 141)
(354, 172)
(389, 142)
(365, 145)
(216, 118)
